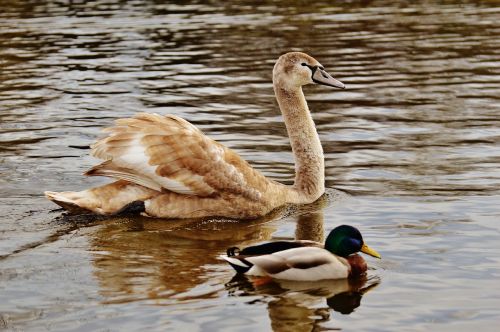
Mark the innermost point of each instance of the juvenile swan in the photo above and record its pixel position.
(167, 168)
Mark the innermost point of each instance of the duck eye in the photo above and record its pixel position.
(304, 64)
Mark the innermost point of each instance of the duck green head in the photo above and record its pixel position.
(345, 240)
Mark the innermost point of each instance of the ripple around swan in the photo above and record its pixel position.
(414, 138)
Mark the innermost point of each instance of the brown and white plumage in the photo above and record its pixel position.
(167, 153)
(178, 172)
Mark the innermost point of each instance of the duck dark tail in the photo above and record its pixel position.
(233, 251)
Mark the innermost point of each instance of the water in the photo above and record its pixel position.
(412, 159)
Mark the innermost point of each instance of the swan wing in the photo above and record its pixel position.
(302, 264)
(167, 152)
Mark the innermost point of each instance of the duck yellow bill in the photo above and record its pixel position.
(369, 251)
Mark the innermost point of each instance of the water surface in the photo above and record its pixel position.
(412, 160)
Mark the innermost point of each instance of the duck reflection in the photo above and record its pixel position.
(295, 303)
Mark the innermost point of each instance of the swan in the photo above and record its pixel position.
(167, 168)
(305, 260)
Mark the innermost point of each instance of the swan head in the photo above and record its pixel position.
(295, 69)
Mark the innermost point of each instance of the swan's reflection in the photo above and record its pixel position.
(143, 258)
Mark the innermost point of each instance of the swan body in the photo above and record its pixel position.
(174, 171)
(305, 260)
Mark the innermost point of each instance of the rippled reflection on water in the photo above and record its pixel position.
(414, 138)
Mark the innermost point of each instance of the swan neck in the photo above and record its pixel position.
(304, 139)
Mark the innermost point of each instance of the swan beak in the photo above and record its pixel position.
(320, 76)
(369, 251)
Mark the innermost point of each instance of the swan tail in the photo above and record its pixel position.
(67, 200)
(115, 198)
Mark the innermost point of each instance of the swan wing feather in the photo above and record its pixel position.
(167, 152)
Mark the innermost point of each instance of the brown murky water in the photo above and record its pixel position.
(412, 159)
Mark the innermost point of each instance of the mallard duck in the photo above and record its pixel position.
(167, 168)
(305, 260)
